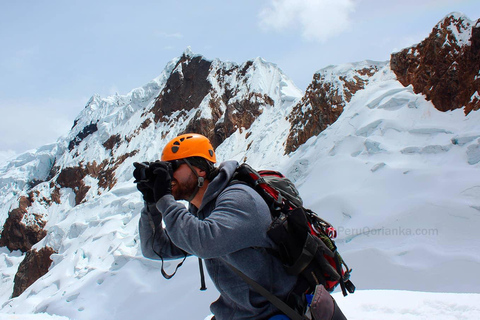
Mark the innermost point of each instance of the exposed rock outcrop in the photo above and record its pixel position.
(16, 235)
(34, 266)
(104, 172)
(445, 66)
(112, 142)
(86, 131)
(331, 89)
(72, 177)
(185, 89)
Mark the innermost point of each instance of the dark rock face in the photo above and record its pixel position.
(112, 142)
(445, 66)
(34, 266)
(88, 130)
(323, 103)
(18, 236)
(239, 114)
(185, 88)
(72, 177)
(104, 172)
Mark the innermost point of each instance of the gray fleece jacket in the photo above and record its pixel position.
(231, 226)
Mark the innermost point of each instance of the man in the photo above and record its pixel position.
(225, 224)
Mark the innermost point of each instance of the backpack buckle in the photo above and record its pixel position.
(331, 232)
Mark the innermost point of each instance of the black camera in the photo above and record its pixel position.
(143, 173)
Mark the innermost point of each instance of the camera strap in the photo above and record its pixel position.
(164, 273)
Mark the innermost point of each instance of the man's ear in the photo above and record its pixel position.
(201, 173)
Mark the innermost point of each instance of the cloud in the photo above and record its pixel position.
(318, 20)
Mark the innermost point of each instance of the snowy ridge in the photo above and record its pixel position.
(251, 144)
(260, 77)
(341, 75)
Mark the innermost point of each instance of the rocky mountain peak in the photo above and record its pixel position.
(455, 29)
(223, 96)
(185, 88)
(445, 66)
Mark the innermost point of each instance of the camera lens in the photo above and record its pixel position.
(140, 173)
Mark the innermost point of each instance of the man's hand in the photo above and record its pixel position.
(153, 179)
(163, 173)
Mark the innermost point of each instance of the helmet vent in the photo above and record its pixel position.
(175, 149)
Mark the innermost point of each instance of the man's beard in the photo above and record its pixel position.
(186, 190)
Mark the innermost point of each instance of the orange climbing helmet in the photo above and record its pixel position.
(189, 145)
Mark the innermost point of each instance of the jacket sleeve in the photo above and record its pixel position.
(239, 220)
(154, 240)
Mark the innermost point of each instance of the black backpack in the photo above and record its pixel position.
(305, 241)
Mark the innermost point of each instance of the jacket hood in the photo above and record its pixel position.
(220, 182)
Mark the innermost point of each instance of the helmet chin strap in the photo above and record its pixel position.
(200, 181)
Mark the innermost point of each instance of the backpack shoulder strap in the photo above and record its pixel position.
(273, 299)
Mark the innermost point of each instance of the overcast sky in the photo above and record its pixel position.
(56, 54)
